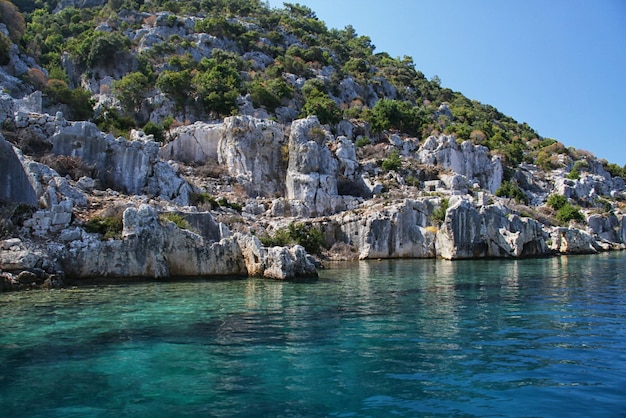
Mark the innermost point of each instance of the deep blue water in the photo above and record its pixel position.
(543, 337)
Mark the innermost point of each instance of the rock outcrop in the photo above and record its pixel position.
(467, 159)
(132, 167)
(400, 230)
(491, 231)
(251, 151)
(194, 144)
(311, 181)
(16, 184)
(155, 247)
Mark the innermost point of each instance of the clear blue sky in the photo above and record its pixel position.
(559, 65)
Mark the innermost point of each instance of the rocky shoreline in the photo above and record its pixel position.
(198, 205)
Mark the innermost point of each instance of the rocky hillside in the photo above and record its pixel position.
(157, 139)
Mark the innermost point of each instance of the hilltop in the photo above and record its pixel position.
(205, 138)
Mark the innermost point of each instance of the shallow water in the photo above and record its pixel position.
(544, 337)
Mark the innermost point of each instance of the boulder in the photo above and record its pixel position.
(288, 263)
(14, 255)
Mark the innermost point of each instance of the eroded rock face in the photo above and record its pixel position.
(400, 230)
(16, 184)
(152, 247)
(469, 232)
(610, 228)
(250, 149)
(311, 181)
(467, 159)
(131, 167)
(572, 241)
(194, 144)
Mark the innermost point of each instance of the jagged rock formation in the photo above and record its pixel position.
(194, 144)
(153, 247)
(399, 230)
(467, 159)
(251, 150)
(490, 231)
(313, 171)
(130, 167)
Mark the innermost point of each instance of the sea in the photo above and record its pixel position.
(382, 338)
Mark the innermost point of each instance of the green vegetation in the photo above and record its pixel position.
(511, 190)
(305, 67)
(204, 198)
(565, 211)
(131, 90)
(320, 104)
(308, 236)
(110, 227)
(574, 174)
(439, 214)
(152, 128)
(556, 201)
(178, 219)
(362, 141)
(393, 162)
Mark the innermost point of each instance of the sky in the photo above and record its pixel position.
(558, 65)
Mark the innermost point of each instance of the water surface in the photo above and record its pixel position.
(544, 337)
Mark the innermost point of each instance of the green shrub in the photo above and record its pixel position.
(5, 46)
(565, 211)
(308, 236)
(511, 190)
(320, 104)
(263, 97)
(93, 47)
(569, 212)
(78, 101)
(280, 238)
(581, 165)
(393, 162)
(176, 218)
(615, 170)
(395, 114)
(362, 141)
(111, 121)
(218, 86)
(152, 128)
(556, 201)
(439, 214)
(223, 202)
(203, 198)
(131, 90)
(574, 174)
(109, 227)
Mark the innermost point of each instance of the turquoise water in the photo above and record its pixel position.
(540, 337)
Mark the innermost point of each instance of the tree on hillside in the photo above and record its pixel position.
(131, 91)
